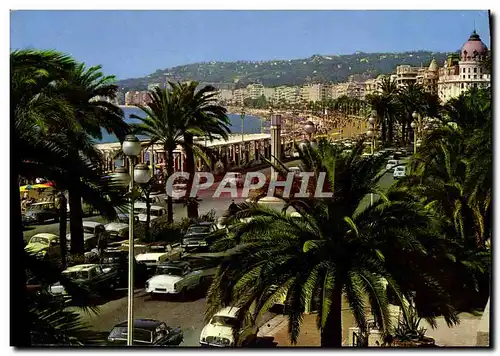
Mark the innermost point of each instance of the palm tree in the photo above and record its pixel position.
(389, 91)
(410, 99)
(338, 247)
(88, 91)
(206, 118)
(165, 123)
(37, 108)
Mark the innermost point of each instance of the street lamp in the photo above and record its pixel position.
(416, 125)
(131, 147)
(309, 128)
(371, 134)
(242, 115)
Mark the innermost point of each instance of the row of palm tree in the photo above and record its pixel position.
(423, 241)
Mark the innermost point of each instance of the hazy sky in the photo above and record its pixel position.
(136, 43)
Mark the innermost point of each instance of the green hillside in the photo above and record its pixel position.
(318, 68)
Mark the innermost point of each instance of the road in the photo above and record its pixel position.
(188, 314)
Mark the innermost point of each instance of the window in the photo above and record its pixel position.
(468, 70)
(464, 76)
(475, 70)
(475, 76)
(468, 76)
(480, 70)
(462, 85)
(480, 76)
(463, 70)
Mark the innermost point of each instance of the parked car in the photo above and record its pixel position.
(44, 245)
(399, 172)
(198, 236)
(124, 218)
(178, 277)
(116, 259)
(91, 276)
(391, 164)
(159, 252)
(219, 330)
(90, 229)
(155, 211)
(39, 213)
(147, 332)
(116, 231)
(234, 178)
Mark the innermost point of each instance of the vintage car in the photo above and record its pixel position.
(219, 330)
(147, 332)
(90, 275)
(197, 236)
(117, 231)
(155, 211)
(391, 164)
(90, 229)
(39, 213)
(44, 245)
(178, 277)
(399, 172)
(117, 260)
(159, 252)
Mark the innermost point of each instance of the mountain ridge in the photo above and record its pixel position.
(276, 72)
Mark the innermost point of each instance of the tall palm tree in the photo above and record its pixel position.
(205, 117)
(37, 108)
(165, 123)
(389, 92)
(88, 91)
(338, 247)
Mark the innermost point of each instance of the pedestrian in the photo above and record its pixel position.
(233, 208)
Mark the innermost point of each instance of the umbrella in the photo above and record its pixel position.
(26, 187)
(41, 186)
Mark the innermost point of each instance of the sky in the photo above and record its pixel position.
(131, 44)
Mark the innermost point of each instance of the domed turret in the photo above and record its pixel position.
(474, 48)
(433, 67)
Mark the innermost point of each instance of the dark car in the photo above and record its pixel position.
(118, 260)
(147, 332)
(39, 213)
(197, 236)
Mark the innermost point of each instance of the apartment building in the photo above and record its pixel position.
(354, 90)
(314, 92)
(255, 91)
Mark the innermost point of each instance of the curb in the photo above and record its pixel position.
(272, 326)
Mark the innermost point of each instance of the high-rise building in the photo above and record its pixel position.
(255, 91)
(314, 92)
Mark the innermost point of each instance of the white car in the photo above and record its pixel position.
(117, 230)
(157, 253)
(399, 172)
(177, 277)
(219, 331)
(391, 164)
(90, 229)
(155, 211)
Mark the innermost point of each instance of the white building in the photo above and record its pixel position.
(314, 92)
(255, 91)
(464, 71)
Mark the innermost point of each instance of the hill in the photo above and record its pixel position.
(318, 68)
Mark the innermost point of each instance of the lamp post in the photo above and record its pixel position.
(310, 129)
(416, 125)
(131, 147)
(242, 115)
(371, 134)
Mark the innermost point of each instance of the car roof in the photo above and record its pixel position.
(46, 235)
(228, 311)
(147, 324)
(179, 264)
(79, 268)
(115, 225)
(91, 223)
(202, 223)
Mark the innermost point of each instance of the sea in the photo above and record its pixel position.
(251, 125)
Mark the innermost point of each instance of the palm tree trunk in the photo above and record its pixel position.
(331, 333)
(384, 130)
(21, 323)
(390, 127)
(403, 132)
(75, 221)
(170, 171)
(192, 209)
(62, 228)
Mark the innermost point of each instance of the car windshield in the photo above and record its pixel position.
(400, 168)
(152, 212)
(198, 230)
(157, 248)
(140, 335)
(392, 162)
(169, 270)
(219, 320)
(77, 274)
(40, 240)
(112, 257)
(88, 230)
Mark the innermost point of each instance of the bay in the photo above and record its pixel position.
(251, 124)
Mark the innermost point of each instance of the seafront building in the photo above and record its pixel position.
(459, 72)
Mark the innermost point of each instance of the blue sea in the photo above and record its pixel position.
(252, 124)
